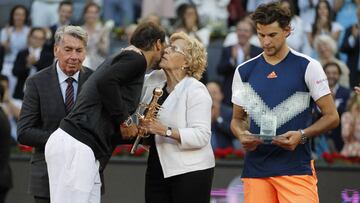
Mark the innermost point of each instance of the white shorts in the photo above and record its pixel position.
(73, 170)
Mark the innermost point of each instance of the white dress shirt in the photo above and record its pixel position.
(63, 84)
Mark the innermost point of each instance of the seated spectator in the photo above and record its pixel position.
(341, 95)
(32, 59)
(10, 106)
(323, 23)
(326, 49)
(350, 121)
(351, 47)
(233, 56)
(232, 39)
(5, 147)
(13, 39)
(297, 40)
(190, 24)
(64, 13)
(221, 115)
(99, 36)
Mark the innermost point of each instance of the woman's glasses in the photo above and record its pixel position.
(174, 48)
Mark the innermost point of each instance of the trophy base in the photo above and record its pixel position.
(267, 139)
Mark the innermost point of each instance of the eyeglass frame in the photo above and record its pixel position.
(176, 49)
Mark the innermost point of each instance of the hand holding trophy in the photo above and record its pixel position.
(151, 112)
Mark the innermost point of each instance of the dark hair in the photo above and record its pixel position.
(248, 20)
(332, 64)
(266, 14)
(33, 29)
(329, 17)
(182, 12)
(90, 4)
(291, 5)
(65, 2)
(4, 78)
(146, 34)
(12, 12)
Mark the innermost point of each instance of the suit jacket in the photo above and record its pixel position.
(49, 44)
(107, 99)
(341, 97)
(5, 148)
(42, 110)
(21, 71)
(353, 56)
(222, 136)
(227, 69)
(188, 108)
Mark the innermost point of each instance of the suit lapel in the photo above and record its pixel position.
(82, 79)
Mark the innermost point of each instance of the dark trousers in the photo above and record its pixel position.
(41, 199)
(189, 187)
(3, 193)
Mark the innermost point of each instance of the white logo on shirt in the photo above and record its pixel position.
(284, 112)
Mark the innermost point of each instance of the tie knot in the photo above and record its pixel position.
(69, 80)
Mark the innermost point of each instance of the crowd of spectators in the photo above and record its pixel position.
(327, 30)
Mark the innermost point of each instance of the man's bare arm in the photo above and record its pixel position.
(239, 122)
(328, 120)
(239, 126)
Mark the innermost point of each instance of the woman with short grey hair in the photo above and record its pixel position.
(326, 49)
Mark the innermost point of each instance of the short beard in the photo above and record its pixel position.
(156, 66)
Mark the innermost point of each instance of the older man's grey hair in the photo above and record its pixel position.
(74, 31)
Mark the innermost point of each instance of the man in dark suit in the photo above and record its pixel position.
(235, 55)
(46, 101)
(5, 147)
(341, 95)
(351, 46)
(83, 143)
(221, 114)
(31, 59)
(64, 12)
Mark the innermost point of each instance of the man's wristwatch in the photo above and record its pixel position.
(127, 122)
(168, 132)
(303, 138)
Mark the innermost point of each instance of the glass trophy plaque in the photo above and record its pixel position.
(267, 128)
(270, 119)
